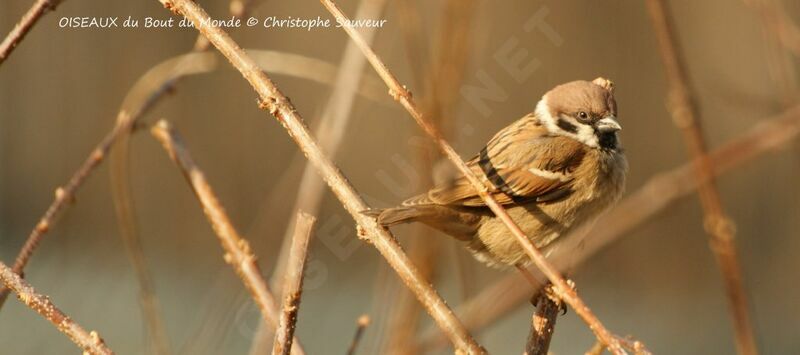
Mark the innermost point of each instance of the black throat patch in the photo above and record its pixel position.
(607, 140)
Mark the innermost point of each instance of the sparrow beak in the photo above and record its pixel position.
(608, 125)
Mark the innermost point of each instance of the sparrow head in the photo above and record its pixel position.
(583, 110)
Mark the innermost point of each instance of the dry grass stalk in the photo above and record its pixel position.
(332, 127)
(718, 225)
(293, 283)
(39, 8)
(782, 40)
(279, 106)
(403, 96)
(64, 196)
(330, 132)
(442, 78)
(654, 196)
(124, 209)
(779, 22)
(333, 123)
(90, 342)
(361, 326)
(237, 249)
(543, 322)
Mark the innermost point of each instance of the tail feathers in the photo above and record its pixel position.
(393, 216)
(458, 224)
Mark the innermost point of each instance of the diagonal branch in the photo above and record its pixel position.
(279, 106)
(237, 249)
(293, 283)
(90, 342)
(64, 195)
(330, 132)
(403, 96)
(39, 8)
(720, 228)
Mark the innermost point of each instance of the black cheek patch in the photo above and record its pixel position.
(569, 127)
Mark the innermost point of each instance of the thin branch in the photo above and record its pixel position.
(39, 9)
(293, 283)
(90, 342)
(65, 195)
(403, 96)
(660, 192)
(330, 131)
(543, 322)
(124, 206)
(279, 106)
(361, 325)
(442, 78)
(237, 249)
(686, 116)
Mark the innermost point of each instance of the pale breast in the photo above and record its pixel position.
(600, 181)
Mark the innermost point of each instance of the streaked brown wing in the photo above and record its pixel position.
(537, 169)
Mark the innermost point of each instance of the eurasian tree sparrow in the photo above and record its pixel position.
(553, 170)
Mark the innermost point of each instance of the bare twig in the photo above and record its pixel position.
(597, 349)
(278, 105)
(39, 8)
(330, 132)
(442, 77)
(718, 225)
(293, 284)
(361, 325)
(332, 128)
(90, 342)
(403, 96)
(125, 211)
(543, 322)
(237, 249)
(64, 195)
(657, 194)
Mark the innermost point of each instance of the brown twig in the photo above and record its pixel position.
(403, 96)
(596, 349)
(279, 106)
(654, 196)
(361, 325)
(237, 249)
(124, 206)
(330, 132)
(443, 76)
(90, 342)
(543, 322)
(718, 225)
(39, 8)
(293, 284)
(64, 195)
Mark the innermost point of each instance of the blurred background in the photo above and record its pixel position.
(61, 90)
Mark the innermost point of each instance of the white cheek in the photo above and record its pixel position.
(584, 135)
(587, 136)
